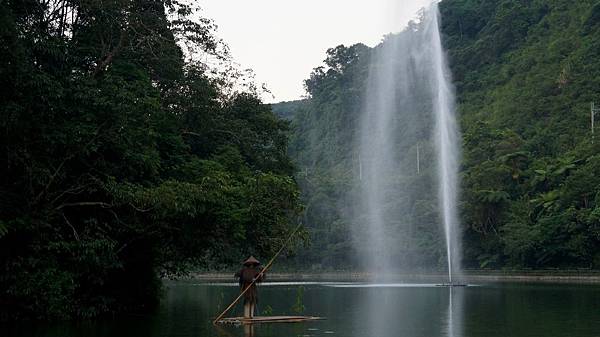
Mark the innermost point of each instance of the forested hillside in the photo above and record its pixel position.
(525, 75)
(125, 159)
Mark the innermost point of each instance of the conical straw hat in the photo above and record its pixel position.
(251, 260)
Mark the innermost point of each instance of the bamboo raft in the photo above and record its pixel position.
(267, 319)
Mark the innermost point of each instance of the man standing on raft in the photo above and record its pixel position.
(246, 276)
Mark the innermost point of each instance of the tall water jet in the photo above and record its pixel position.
(408, 150)
(447, 144)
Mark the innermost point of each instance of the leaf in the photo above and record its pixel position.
(3, 229)
(492, 196)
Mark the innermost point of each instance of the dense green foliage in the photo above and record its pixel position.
(525, 74)
(124, 160)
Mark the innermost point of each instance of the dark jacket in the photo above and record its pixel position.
(245, 277)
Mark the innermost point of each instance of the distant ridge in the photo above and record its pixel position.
(287, 109)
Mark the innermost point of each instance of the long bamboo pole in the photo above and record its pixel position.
(257, 276)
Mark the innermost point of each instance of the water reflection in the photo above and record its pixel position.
(409, 311)
(248, 330)
(454, 317)
(497, 310)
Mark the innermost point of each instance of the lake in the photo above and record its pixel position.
(361, 310)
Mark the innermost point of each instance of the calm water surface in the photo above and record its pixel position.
(356, 310)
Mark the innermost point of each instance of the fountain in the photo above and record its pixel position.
(408, 150)
(447, 143)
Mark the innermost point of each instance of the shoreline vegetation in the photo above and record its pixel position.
(468, 276)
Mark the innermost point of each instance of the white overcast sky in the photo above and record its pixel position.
(283, 40)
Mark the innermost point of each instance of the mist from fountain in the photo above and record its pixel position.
(408, 150)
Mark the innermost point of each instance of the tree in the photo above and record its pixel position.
(119, 162)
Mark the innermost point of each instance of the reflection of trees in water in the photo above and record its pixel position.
(409, 312)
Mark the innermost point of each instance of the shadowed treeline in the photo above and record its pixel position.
(124, 159)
